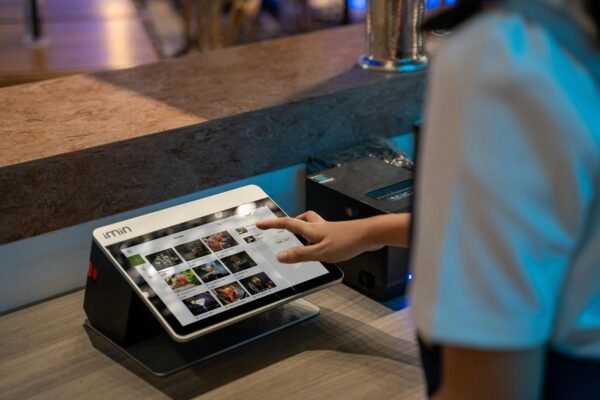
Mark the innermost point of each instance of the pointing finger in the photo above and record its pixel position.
(291, 224)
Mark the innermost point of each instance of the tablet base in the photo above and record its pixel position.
(162, 356)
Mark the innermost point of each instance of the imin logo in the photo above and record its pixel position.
(117, 232)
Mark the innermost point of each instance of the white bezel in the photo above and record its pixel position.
(179, 214)
(175, 215)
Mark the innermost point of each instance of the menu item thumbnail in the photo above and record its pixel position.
(136, 260)
(238, 262)
(182, 280)
(250, 239)
(258, 283)
(192, 250)
(201, 303)
(211, 271)
(164, 259)
(241, 230)
(230, 293)
(220, 241)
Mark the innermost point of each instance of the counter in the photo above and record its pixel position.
(356, 349)
(85, 147)
(80, 148)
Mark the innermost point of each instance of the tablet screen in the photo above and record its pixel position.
(214, 264)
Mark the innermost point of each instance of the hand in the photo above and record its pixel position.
(338, 241)
(328, 241)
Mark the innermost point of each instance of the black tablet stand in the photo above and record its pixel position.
(117, 314)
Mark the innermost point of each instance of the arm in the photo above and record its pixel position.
(471, 374)
(340, 241)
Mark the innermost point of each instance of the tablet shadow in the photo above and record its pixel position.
(331, 331)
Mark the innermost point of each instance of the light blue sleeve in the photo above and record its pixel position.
(504, 187)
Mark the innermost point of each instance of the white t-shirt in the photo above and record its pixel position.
(507, 249)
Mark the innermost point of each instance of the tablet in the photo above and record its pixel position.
(203, 265)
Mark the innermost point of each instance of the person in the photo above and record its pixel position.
(506, 246)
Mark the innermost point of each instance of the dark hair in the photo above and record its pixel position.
(593, 8)
(453, 16)
(465, 9)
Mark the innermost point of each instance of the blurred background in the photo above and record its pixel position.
(43, 39)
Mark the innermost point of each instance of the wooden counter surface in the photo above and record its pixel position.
(356, 349)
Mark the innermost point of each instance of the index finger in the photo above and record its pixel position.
(291, 224)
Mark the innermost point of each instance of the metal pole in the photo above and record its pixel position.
(33, 20)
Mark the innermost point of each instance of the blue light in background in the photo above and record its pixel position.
(410, 277)
(357, 5)
(361, 5)
(433, 4)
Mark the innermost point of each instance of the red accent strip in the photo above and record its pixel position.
(92, 272)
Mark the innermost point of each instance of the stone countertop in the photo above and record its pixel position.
(87, 146)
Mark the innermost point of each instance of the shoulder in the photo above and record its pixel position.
(504, 57)
(497, 47)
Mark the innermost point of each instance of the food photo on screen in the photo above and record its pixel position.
(220, 241)
(192, 250)
(258, 283)
(250, 239)
(211, 271)
(241, 230)
(230, 293)
(201, 303)
(164, 259)
(183, 280)
(238, 262)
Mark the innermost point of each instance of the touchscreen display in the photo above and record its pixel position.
(214, 263)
